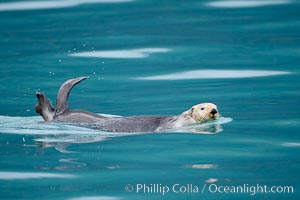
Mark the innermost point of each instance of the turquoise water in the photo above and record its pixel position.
(148, 57)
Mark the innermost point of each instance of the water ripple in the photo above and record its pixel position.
(208, 74)
(40, 5)
(95, 198)
(31, 175)
(123, 54)
(291, 144)
(202, 166)
(246, 3)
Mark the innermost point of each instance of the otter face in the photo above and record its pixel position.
(204, 112)
(44, 107)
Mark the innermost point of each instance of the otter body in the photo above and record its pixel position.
(197, 114)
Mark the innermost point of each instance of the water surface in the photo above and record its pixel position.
(148, 57)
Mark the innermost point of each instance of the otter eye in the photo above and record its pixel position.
(202, 108)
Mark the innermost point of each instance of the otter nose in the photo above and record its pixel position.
(213, 111)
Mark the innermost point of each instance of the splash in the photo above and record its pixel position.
(60, 135)
(210, 127)
(75, 133)
(36, 126)
(210, 74)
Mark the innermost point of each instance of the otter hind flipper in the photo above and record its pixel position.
(63, 94)
(44, 107)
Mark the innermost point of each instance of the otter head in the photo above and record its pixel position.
(204, 112)
(44, 107)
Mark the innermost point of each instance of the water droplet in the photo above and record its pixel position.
(59, 60)
(51, 73)
(24, 139)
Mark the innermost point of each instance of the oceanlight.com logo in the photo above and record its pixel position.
(164, 189)
(249, 189)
